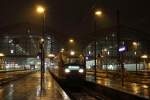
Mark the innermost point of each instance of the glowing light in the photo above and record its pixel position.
(144, 56)
(40, 9)
(145, 86)
(81, 70)
(51, 55)
(42, 40)
(72, 53)
(122, 49)
(135, 53)
(87, 58)
(67, 70)
(98, 13)
(2, 55)
(108, 53)
(11, 51)
(71, 40)
(62, 50)
(134, 43)
(89, 52)
(105, 49)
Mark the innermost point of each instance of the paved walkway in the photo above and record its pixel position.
(28, 88)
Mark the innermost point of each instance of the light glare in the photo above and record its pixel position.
(72, 53)
(98, 13)
(144, 56)
(2, 55)
(40, 9)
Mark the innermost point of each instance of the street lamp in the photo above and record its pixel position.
(135, 46)
(41, 10)
(97, 13)
(72, 53)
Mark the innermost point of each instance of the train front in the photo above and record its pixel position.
(74, 66)
(74, 70)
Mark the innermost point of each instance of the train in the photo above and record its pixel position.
(70, 65)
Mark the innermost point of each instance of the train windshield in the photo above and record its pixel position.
(74, 60)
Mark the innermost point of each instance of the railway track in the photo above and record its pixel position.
(85, 90)
(80, 90)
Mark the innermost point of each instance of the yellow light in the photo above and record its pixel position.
(71, 41)
(72, 53)
(145, 86)
(42, 40)
(105, 49)
(2, 55)
(135, 53)
(144, 56)
(134, 43)
(51, 55)
(40, 9)
(98, 13)
(62, 50)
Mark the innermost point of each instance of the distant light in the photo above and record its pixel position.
(71, 40)
(11, 51)
(134, 43)
(135, 53)
(51, 55)
(145, 86)
(108, 52)
(89, 52)
(72, 53)
(121, 49)
(48, 38)
(81, 70)
(87, 58)
(98, 13)
(62, 50)
(42, 40)
(67, 70)
(10, 41)
(38, 57)
(2, 55)
(105, 49)
(144, 56)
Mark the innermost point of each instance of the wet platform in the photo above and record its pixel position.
(29, 88)
(137, 89)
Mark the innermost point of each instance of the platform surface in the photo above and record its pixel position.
(29, 88)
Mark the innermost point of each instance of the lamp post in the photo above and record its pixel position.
(97, 13)
(41, 10)
(135, 45)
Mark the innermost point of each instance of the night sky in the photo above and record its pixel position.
(69, 18)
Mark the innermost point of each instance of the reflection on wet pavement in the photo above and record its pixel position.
(134, 88)
(29, 88)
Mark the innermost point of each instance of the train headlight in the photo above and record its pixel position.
(67, 70)
(81, 70)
